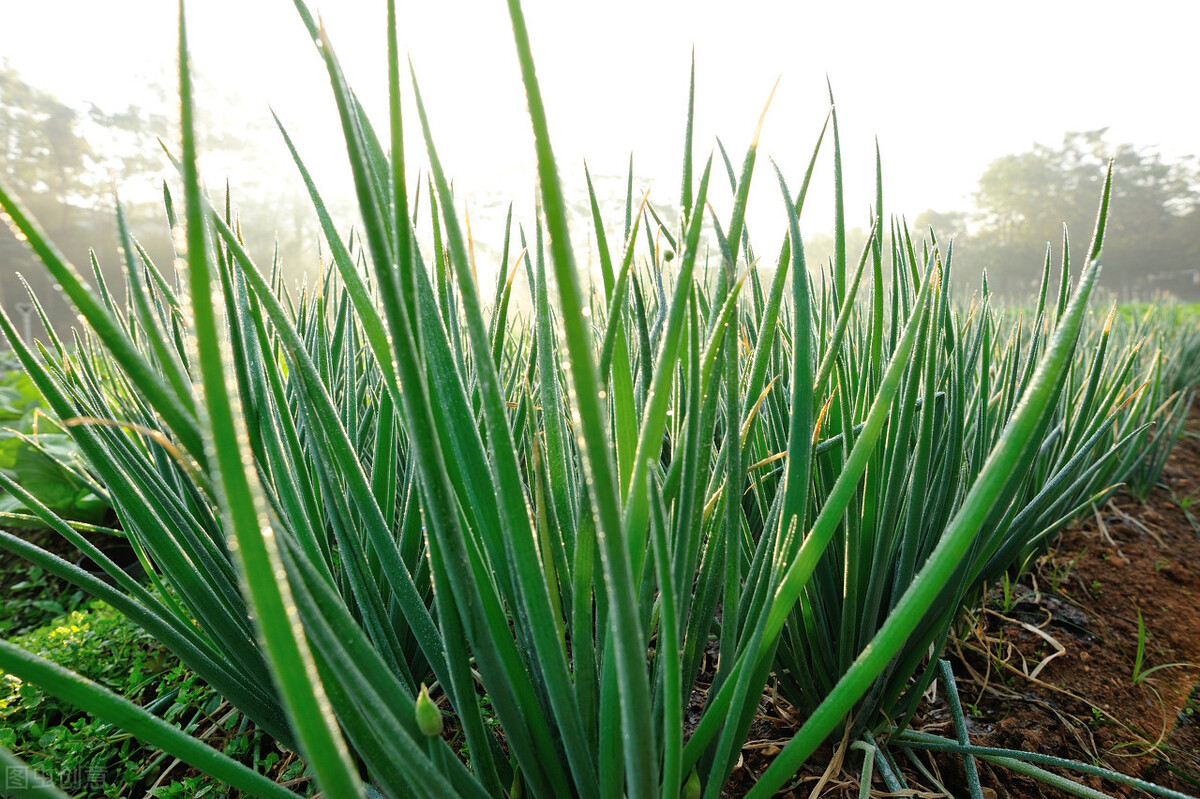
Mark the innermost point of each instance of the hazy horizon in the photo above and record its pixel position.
(946, 87)
(942, 90)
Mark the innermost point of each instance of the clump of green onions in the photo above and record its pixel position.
(344, 495)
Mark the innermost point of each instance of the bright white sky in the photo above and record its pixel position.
(946, 86)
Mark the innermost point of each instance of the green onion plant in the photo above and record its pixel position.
(393, 480)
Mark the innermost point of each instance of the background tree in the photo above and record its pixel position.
(1153, 241)
(46, 160)
(64, 163)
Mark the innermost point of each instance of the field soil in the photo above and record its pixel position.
(1048, 665)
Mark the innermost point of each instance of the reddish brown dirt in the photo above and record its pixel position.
(1084, 597)
(1088, 592)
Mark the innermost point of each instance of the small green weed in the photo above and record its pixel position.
(91, 758)
(78, 751)
(1008, 594)
(1139, 675)
(1185, 504)
(33, 599)
(1057, 572)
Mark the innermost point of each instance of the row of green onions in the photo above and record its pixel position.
(392, 481)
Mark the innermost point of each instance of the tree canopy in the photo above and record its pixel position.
(1023, 200)
(64, 163)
